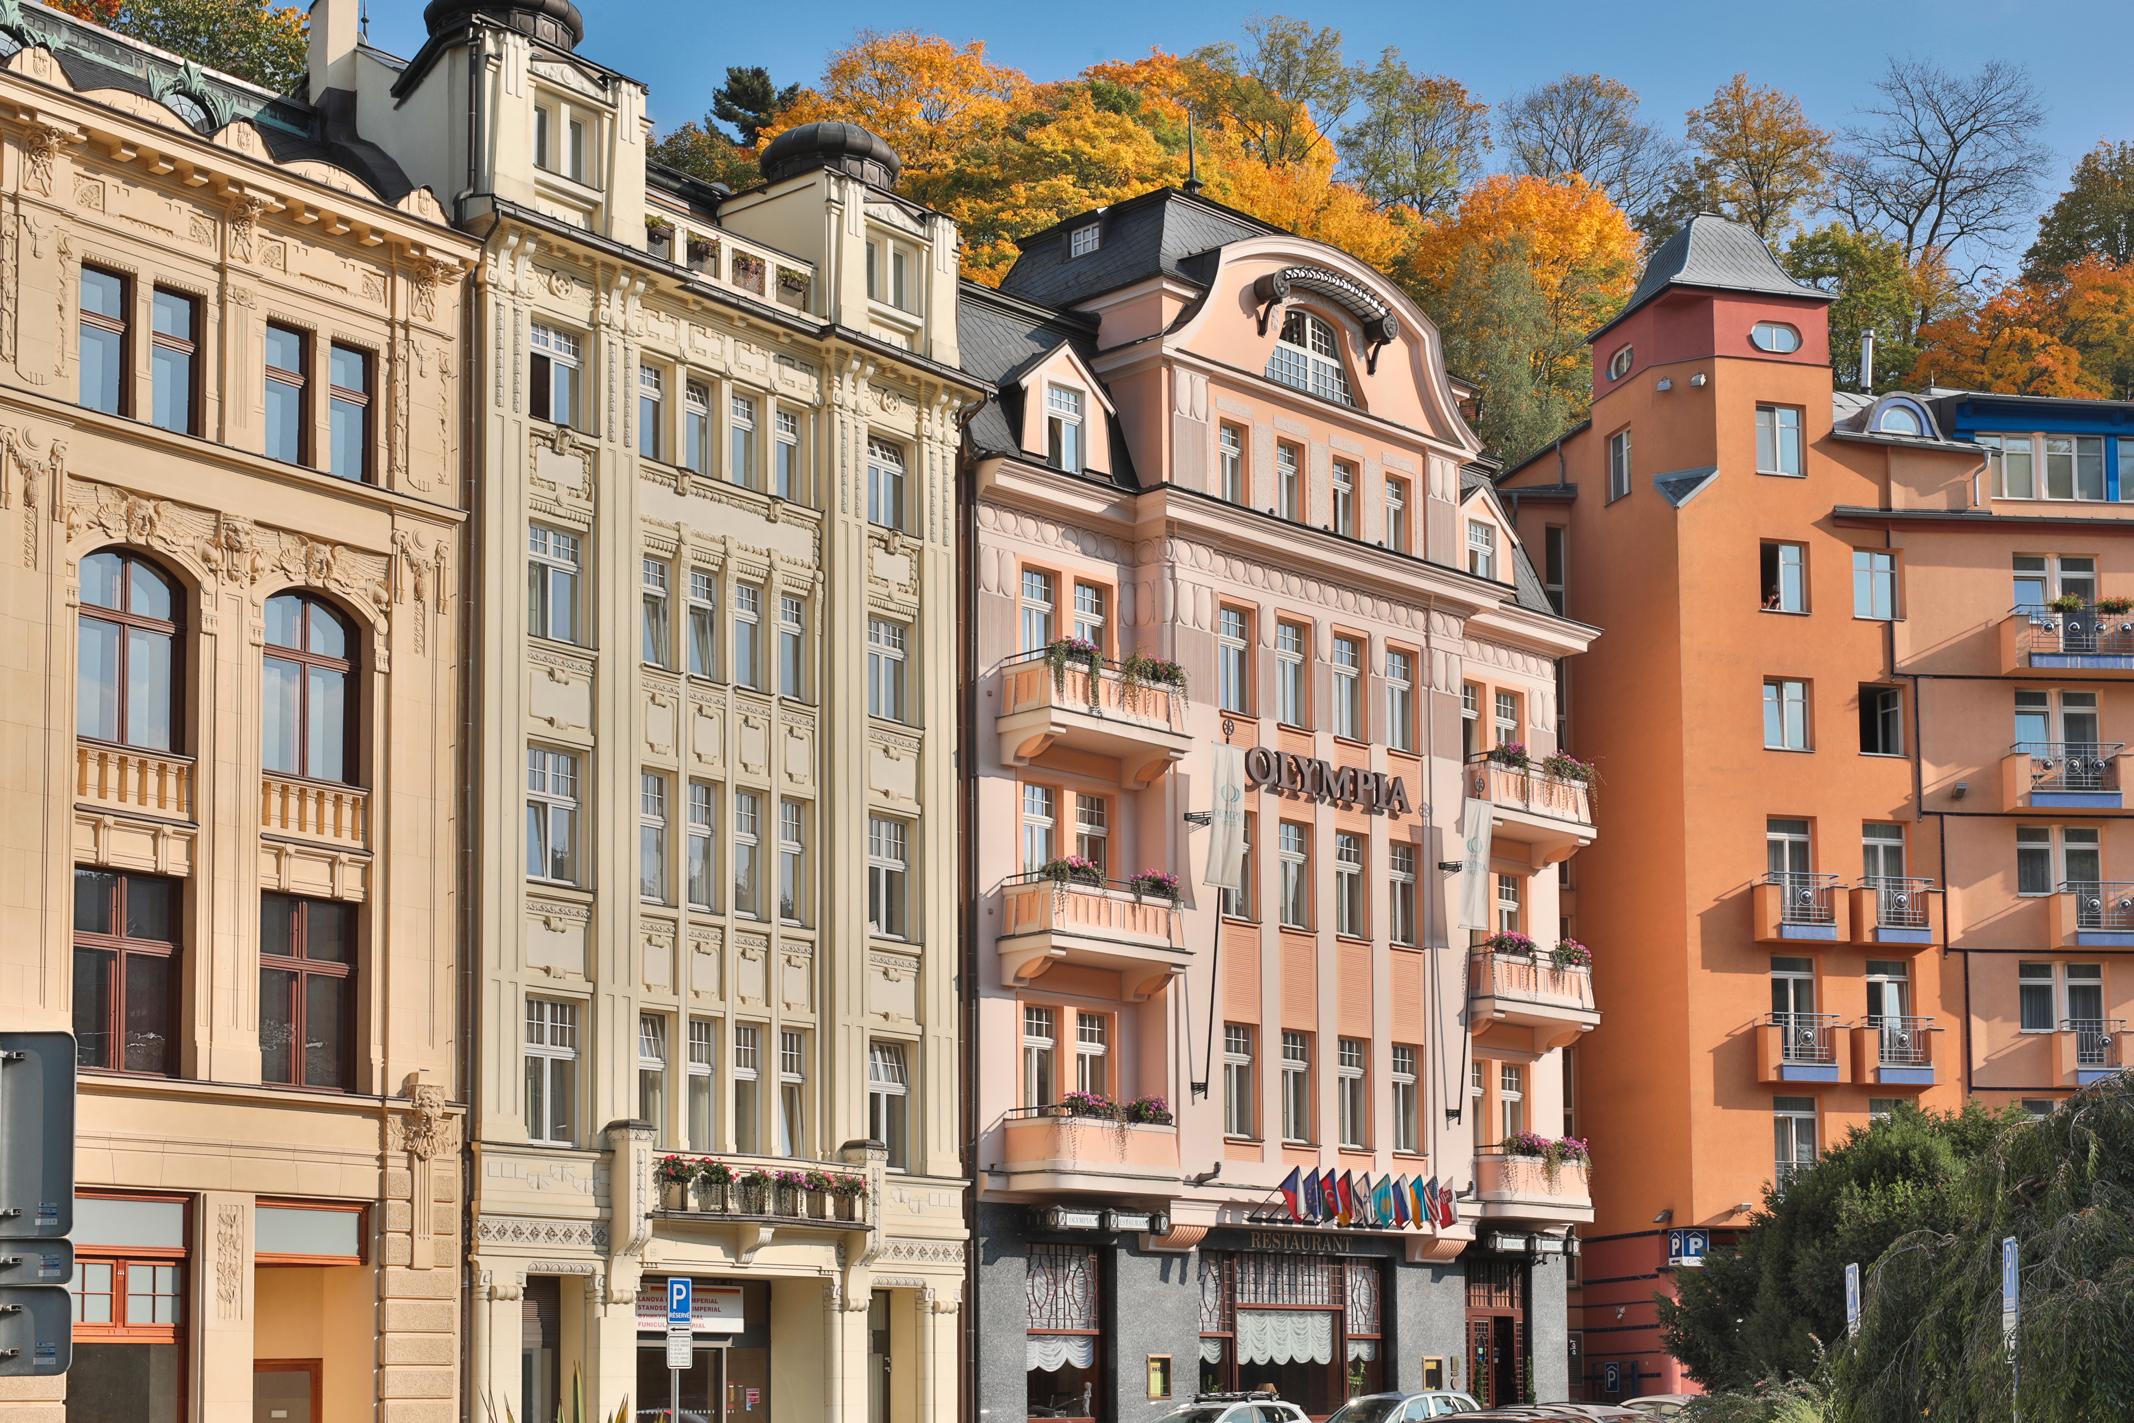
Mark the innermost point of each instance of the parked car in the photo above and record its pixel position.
(1661, 1405)
(1558, 1413)
(1404, 1407)
(1237, 1408)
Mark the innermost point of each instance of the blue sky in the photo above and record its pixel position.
(1674, 54)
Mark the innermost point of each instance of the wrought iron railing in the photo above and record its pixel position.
(2072, 765)
(1529, 788)
(1902, 1041)
(1806, 1037)
(1805, 897)
(2096, 1040)
(2083, 631)
(2101, 904)
(1900, 900)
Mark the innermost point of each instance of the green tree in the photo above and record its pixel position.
(2093, 218)
(1284, 89)
(1498, 333)
(748, 102)
(252, 39)
(1876, 290)
(1420, 141)
(703, 152)
(1760, 1311)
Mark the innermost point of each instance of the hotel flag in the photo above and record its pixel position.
(1349, 1213)
(1448, 1206)
(1330, 1195)
(1430, 1205)
(1290, 1189)
(1400, 1200)
(1415, 1201)
(1366, 1201)
(1314, 1206)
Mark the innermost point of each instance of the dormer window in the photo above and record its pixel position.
(1308, 357)
(561, 141)
(1619, 363)
(1083, 240)
(892, 269)
(1063, 427)
(1776, 337)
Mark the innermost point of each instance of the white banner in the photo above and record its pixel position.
(1226, 843)
(1475, 818)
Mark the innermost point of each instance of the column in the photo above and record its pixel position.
(222, 1298)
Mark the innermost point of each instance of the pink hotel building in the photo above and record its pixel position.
(1223, 495)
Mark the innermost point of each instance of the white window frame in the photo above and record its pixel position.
(1352, 1098)
(1293, 850)
(552, 798)
(748, 1087)
(1092, 1053)
(1344, 485)
(747, 650)
(1291, 641)
(887, 665)
(1039, 819)
(888, 877)
(793, 1114)
(793, 646)
(550, 1045)
(1874, 584)
(555, 370)
(555, 577)
(747, 868)
(1240, 1120)
(652, 1076)
(1396, 514)
(652, 799)
(889, 1100)
(793, 885)
(1038, 603)
(651, 408)
(1400, 700)
(696, 427)
(1064, 427)
(702, 872)
(1083, 240)
(1233, 636)
(1481, 549)
(1619, 457)
(1041, 1064)
(1400, 893)
(1780, 441)
(1288, 481)
(1307, 357)
(703, 1087)
(657, 633)
(1786, 714)
(1296, 1087)
(1348, 687)
(741, 440)
(703, 630)
(786, 481)
(1230, 459)
(1406, 1099)
(887, 474)
(1348, 884)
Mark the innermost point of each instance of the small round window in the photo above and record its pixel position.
(1619, 363)
(1776, 337)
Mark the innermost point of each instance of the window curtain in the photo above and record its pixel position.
(1285, 1336)
(1047, 1353)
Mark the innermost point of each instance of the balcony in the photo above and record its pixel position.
(2093, 914)
(2091, 1049)
(1106, 927)
(820, 1200)
(133, 782)
(1136, 723)
(2062, 775)
(1897, 909)
(2083, 641)
(1523, 1004)
(1801, 906)
(1524, 1188)
(1048, 1149)
(1801, 1047)
(322, 812)
(1895, 1052)
(1551, 815)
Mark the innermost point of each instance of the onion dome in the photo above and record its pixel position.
(555, 22)
(845, 147)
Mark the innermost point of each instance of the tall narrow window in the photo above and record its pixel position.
(703, 623)
(748, 1088)
(1230, 456)
(1555, 558)
(552, 577)
(1236, 901)
(792, 646)
(652, 1075)
(308, 671)
(1397, 514)
(174, 361)
(748, 846)
(551, 1071)
(792, 862)
(1400, 700)
(1092, 1053)
(748, 636)
(1240, 1119)
(1400, 893)
(126, 972)
(1506, 705)
(1345, 498)
(1407, 1113)
(658, 618)
(288, 367)
(2034, 997)
(888, 1092)
(1092, 831)
(1308, 356)
(1511, 1100)
(307, 992)
(349, 376)
(885, 484)
(105, 323)
(1040, 1057)
(1784, 578)
(1289, 706)
(1481, 549)
(1089, 601)
(126, 677)
(1233, 657)
(696, 427)
(785, 455)
(1874, 584)
(1037, 610)
(888, 876)
(1618, 464)
(551, 815)
(2013, 459)
(1793, 1120)
(1293, 847)
(1039, 823)
(1511, 904)
(651, 405)
(1785, 715)
(703, 846)
(1296, 1086)
(1778, 439)
(1470, 721)
(1063, 428)
(703, 1085)
(1348, 884)
(1352, 1095)
(1288, 481)
(792, 1093)
(885, 668)
(1881, 721)
(652, 837)
(1348, 688)
(741, 441)
(554, 396)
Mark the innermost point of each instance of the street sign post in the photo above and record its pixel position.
(1687, 1246)
(1852, 1301)
(681, 1339)
(2011, 1316)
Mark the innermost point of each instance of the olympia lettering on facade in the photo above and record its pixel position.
(1377, 792)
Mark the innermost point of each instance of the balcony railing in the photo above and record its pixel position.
(1517, 1187)
(1108, 926)
(1054, 1148)
(1531, 789)
(1138, 722)
(762, 1198)
(315, 810)
(1900, 900)
(1809, 1038)
(123, 778)
(2096, 1042)
(2071, 765)
(2071, 638)
(1902, 1041)
(1805, 897)
(2101, 904)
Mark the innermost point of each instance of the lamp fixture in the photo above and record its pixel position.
(1665, 383)
(1666, 1216)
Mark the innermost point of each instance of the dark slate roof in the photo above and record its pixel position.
(1157, 233)
(1526, 583)
(1715, 254)
(1000, 338)
(207, 100)
(1682, 485)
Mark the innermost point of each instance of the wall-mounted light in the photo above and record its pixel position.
(1665, 1216)
(1698, 380)
(1963, 788)
(1664, 383)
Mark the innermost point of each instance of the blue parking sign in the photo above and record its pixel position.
(681, 1305)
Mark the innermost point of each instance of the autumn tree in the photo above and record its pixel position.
(1757, 158)
(1420, 140)
(702, 151)
(2070, 336)
(1589, 124)
(2093, 218)
(1944, 162)
(252, 39)
(1877, 290)
(1499, 334)
(1283, 90)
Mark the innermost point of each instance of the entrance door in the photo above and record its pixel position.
(878, 1357)
(285, 1391)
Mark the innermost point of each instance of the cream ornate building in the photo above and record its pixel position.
(230, 490)
(713, 626)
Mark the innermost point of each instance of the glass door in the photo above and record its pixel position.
(285, 1391)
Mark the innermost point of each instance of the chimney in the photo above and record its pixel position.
(1867, 361)
(335, 33)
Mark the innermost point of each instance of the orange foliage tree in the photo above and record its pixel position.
(2072, 335)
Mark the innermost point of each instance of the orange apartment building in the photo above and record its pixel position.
(1863, 663)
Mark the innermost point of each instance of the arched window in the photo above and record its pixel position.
(308, 689)
(1776, 337)
(1308, 356)
(126, 686)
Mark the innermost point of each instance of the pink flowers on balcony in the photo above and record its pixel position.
(1556, 1151)
(1563, 766)
(1142, 1111)
(1071, 869)
(1511, 941)
(1511, 753)
(1159, 883)
(1569, 953)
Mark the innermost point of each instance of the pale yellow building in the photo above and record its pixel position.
(230, 717)
(715, 797)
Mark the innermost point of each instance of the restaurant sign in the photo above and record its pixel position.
(1313, 779)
